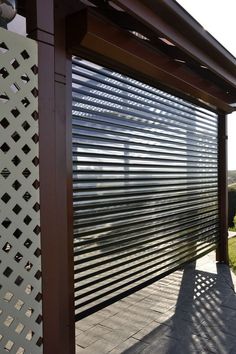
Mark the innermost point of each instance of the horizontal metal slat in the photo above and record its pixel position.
(85, 82)
(140, 87)
(118, 272)
(117, 85)
(145, 183)
(143, 109)
(151, 198)
(85, 131)
(128, 149)
(137, 276)
(147, 227)
(96, 109)
(117, 207)
(95, 263)
(105, 227)
(147, 239)
(103, 147)
(142, 247)
(133, 192)
(104, 300)
(128, 216)
(165, 212)
(110, 132)
(123, 183)
(165, 238)
(127, 156)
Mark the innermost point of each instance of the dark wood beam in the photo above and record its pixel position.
(170, 20)
(100, 37)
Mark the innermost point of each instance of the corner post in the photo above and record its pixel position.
(222, 250)
(46, 24)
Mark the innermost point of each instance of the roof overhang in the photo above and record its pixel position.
(130, 39)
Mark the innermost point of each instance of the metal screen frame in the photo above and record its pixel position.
(91, 88)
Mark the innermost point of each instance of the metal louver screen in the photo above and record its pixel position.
(145, 182)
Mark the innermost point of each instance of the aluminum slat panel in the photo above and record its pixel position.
(145, 183)
(145, 90)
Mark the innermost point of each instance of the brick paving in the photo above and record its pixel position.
(192, 310)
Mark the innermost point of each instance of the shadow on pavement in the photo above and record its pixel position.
(202, 321)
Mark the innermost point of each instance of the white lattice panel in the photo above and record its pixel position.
(20, 268)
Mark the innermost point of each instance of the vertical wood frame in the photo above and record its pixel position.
(222, 251)
(45, 23)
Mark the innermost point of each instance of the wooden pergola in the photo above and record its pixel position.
(154, 41)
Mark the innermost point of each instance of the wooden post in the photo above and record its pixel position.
(222, 250)
(46, 24)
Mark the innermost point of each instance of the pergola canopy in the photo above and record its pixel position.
(157, 41)
(154, 41)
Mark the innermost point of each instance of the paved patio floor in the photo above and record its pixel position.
(193, 310)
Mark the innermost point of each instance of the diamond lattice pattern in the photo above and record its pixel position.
(20, 269)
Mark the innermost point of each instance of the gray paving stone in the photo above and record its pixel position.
(86, 339)
(152, 329)
(99, 330)
(148, 303)
(116, 337)
(130, 346)
(119, 306)
(83, 326)
(119, 322)
(233, 349)
(196, 344)
(142, 310)
(164, 345)
(135, 320)
(162, 318)
(103, 314)
(230, 302)
(162, 307)
(190, 311)
(106, 312)
(78, 332)
(223, 343)
(79, 350)
(100, 347)
(124, 333)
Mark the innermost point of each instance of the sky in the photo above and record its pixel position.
(220, 22)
